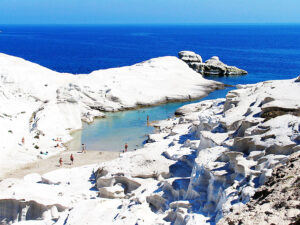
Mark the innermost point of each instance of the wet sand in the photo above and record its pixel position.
(49, 164)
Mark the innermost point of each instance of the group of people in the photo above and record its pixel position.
(57, 144)
(61, 160)
(83, 150)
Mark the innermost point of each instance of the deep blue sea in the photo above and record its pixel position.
(265, 51)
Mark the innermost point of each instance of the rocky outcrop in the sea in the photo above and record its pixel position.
(212, 66)
(275, 202)
(190, 57)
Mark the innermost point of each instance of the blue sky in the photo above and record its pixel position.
(148, 11)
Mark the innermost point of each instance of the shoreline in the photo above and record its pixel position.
(49, 164)
(73, 133)
(34, 166)
(216, 87)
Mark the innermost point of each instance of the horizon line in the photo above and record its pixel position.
(150, 24)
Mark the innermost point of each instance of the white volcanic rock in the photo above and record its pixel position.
(212, 66)
(194, 107)
(190, 57)
(42, 105)
(196, 171)
(276, 202)
(259, 141)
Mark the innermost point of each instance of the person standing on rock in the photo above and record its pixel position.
(72, 159)
(126, 147)
(83, 148)
(60, 162)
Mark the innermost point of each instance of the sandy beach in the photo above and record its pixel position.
(49, 164)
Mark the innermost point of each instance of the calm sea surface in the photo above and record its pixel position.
(265, 51)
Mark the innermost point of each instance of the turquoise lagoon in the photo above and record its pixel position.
(111, 133)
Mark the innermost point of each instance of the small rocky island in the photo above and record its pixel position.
(212, 66)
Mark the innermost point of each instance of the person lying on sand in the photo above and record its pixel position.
(43, 153)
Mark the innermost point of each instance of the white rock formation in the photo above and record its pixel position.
(190, 57)
(199, 168)
(276, 202)
(42, 105)
(212, 66)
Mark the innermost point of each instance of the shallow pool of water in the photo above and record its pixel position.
(111, 133)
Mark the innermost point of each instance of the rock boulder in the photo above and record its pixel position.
(212, 66)
(190, 57)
